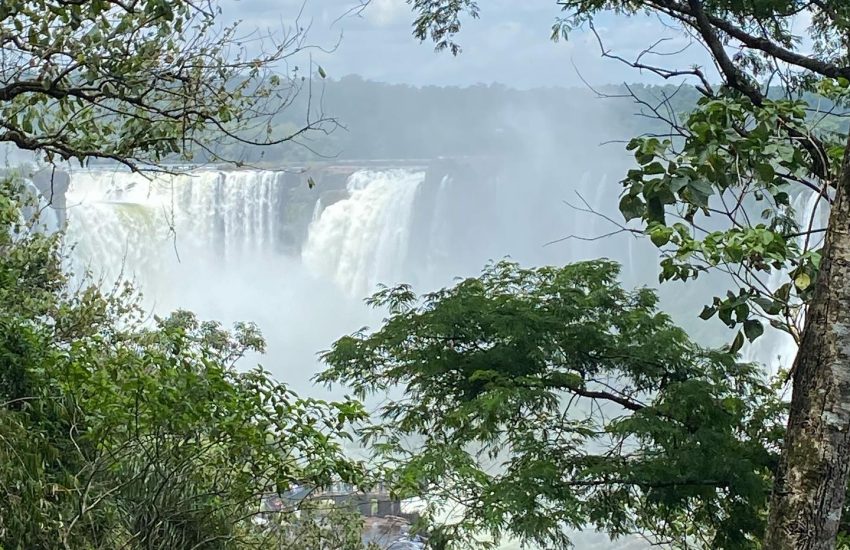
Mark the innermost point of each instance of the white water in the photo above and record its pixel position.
(231, 213)
(439, 237)
(363, 240)
(210, 242)
(37, 211)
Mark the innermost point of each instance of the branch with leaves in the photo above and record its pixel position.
(143, 81)
(546, 399)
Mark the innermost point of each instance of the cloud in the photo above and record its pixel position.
(509, 44)
(388, 12)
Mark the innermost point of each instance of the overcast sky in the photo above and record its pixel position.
(509, 44)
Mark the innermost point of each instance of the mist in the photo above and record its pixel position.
(298, 241)
(261, 245)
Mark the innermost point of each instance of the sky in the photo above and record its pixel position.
(510, 43)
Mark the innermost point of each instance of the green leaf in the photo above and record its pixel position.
(753, 329)
(655, 209)
(784, 292)
(802, 281)
(765, 172)
(632, 207)
(678, 183)
(707, 313)
(644, 158)
(737, 343)
(660, 235)
(654, 169)
(701, 186)
(771, 307)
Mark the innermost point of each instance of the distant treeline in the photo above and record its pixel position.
(394, 121)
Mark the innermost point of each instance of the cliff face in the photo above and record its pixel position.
(53, 184)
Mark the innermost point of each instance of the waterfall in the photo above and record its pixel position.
(140, 226)
(37, 210)
(317, 211)
(234, 211)
(211, 241)
(362, 240)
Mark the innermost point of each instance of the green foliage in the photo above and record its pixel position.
(549, 398)
(439, 20)
(115, 432)
(742, 162)
(138, 82)
(318, 525)
(741, 184)
(733, 183)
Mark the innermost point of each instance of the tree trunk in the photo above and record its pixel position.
(809, 489)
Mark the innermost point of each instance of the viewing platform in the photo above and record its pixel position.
(375, 503)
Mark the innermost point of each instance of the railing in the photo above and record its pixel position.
(376, 502)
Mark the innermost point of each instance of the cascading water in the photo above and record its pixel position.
(438, 237)
(234, 213)
(117, 228)
(209, 241)
(362, 240)
(317, 211)
(212, 242)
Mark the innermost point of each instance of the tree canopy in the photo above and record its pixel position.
(120, 432)
(142, 81)
(738, 151)
(551, 398)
